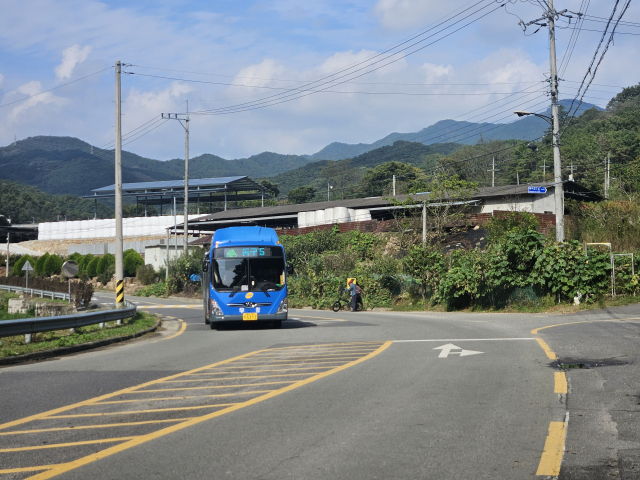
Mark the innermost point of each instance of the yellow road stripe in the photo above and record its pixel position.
(28, 469)
(70, 444)
(534, 331)
(236, 378)
(553, 448)
(547, 350)
(276, 364)
(212, 386)
(560, 380)
(86, 427)
(153, 410)
(57, 470)
(280, 370)
(39, 416)
(180, 397)
(183, 327)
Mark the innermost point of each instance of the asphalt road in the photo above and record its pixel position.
(368, 395)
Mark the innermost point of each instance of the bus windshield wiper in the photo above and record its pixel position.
(237, 288)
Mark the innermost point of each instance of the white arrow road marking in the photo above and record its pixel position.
(445, 350)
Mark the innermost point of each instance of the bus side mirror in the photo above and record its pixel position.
(205, 266)
(289, 269)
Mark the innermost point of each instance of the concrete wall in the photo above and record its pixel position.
(156, 255)
(331, 216)
(102, 248)
(521, 203)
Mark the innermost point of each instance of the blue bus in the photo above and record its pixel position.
(245, 277)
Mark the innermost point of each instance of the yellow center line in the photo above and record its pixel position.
(153, 410)
(57, 470)
(547, 350)
(180, 397)
(560, 382)
(536, 330)
(86, 427)
(553, 448)
(70, 444)
(183, 327)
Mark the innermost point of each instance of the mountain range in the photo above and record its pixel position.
(67, 165)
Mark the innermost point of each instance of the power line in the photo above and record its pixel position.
(298, 93)
(54, 88)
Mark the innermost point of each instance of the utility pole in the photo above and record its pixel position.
(6, 272)
(493, 172)
(518, 178)
(550, 17)
(544, 170)
(118, 152)
(572, 169)
(607, 175)
(329, 187)
(186, 181)
(424, 223)
(174, 116)
(394, 185)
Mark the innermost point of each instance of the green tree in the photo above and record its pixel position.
(301, 194)
(131, 261)
(91, 268)
(271, 188)
(378, 180)
(39, 266)
(17, 267)
(52, 266)
(426, 265)
(105, 262)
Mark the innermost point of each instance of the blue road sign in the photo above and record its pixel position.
(537, 189)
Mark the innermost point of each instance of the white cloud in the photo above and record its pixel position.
(70, 58)
(29, 89)
(259, 75)
(1, 79)
(403, 14)
(341, 60)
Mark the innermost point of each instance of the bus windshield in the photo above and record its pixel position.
(248, 269)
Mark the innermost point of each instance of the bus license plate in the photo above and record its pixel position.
(249, 316)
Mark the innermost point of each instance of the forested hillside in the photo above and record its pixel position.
(26, 204)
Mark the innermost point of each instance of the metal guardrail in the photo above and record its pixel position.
(26, 326)
(40, 293)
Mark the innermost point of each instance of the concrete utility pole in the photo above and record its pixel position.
(119, 257)
(544, 169)
(493, 172)
(6, 273)
(424, 223)
(329, 187)
(186, 181)
(394, 185)
(550, 17)
(607, 185)
(174, 116)
(557, 165)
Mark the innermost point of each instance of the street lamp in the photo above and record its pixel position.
(524, 113)
(558, 192)
(329, 188)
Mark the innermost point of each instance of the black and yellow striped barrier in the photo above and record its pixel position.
(119, 291)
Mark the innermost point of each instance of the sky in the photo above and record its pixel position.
(236, 63)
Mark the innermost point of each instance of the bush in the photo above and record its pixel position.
(181, 269)
(132, 260)
(146, 274)
(82, 291)
(156, 289)
(83, 262)
(17, 267)
(91, 268)
(52, 266)
(105, 262)
(39, 266)
(106, 276)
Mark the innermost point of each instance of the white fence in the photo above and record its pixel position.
(131, 227)
(331, 216)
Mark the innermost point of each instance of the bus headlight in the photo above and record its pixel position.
(215, 308)
(284, 306)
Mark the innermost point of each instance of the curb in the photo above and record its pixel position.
(56, 352)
